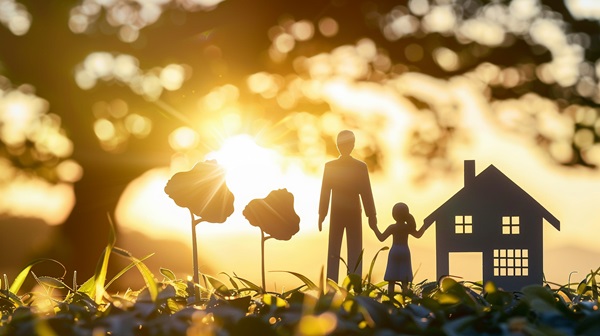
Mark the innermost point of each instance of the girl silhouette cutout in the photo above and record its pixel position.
(399, 266)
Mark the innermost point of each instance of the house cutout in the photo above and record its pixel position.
(493, 216)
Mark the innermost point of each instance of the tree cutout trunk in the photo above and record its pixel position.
(262, 253)
(196, 277)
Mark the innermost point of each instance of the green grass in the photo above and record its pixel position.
(233, 305)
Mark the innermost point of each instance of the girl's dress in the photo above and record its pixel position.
(399, 267)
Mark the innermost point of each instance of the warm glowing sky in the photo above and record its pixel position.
(571, 194)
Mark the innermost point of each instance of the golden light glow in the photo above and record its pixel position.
(183, 138)
(69, 171)
(588, 9)
(138, 125)
(15, 17)
(250, 168)
(18, 111)
(104, 129)
(172, 76)
(129, 17)
(219, 97)
(105, 66)
(382, 110)
(440, 19)
(27, 197)
(303, 30)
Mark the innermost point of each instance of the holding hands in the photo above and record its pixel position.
(373, 222)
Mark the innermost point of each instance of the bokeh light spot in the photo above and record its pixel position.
(100, 63)
(284, 43)
(138, 125)
(328, 27)
(15, 17)
(561, 151)
(317, 325)
(183, 138)
(446, 59)
(303, 30)
(104, 129)
(418, 7)
(69, 171)
(440, 19)
(152, 86)
(172, 77)
(584, 138)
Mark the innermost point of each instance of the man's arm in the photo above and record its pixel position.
(324, 199)
(366, 195)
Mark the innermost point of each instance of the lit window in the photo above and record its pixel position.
(463, 224)
(511, 262)
(510, 225)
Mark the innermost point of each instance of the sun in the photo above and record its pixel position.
(251, 170)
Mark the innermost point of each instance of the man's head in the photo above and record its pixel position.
(345, 142)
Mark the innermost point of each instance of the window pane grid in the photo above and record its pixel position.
(511, 262)
(463, 224)
(511, 225)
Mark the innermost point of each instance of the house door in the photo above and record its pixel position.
(467, 265)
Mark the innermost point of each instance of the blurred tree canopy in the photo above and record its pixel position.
(131, 85)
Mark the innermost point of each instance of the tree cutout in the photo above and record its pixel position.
(204, 193)
(276, 218)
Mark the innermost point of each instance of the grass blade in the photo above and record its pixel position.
(249, 284)
(127, 268)
(217, 285)
(147, 275)
(51, 283)
(359, 261)
(20, 279)
(385, 248)
(102, 266)
(311, 285)
(322, 281)
(233, 283)
(167, 273)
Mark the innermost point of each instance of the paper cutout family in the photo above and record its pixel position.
(491, 217)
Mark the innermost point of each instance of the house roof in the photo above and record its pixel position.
(492, 183)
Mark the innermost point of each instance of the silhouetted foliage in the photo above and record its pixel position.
(203, 191)
(274, 214)
(165, 307)
(276, 218)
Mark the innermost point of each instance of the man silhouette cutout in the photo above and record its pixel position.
(346, 182)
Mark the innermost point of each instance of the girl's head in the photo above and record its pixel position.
(400, 212)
